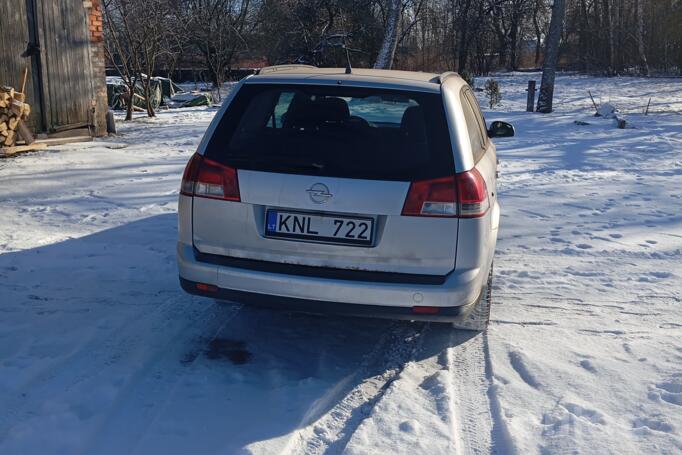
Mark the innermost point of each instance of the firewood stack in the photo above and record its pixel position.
(13, 113)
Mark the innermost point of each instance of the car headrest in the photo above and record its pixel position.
(320, 111)
(330, 109)
(412, 124)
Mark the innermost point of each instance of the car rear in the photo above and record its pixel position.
(331, 194)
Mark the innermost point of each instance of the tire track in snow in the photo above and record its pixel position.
(465, 360)
(330, 433)
(145, 384)
(500, 435)
(458, 386)
(461, 368)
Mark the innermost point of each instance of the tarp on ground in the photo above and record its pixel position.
(191, 99)
(168, 87)
(200, 99)
(117, 93)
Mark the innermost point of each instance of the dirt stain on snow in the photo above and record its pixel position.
(218, 349)
(225, 348)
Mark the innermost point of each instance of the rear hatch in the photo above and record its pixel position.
(328, 176)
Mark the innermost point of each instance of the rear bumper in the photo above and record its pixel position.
(446, 314)
(459, 288)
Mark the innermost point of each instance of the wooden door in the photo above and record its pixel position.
(66, 67)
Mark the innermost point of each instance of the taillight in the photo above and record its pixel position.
(210, 179)
(189, 177)
(472, 194)
(462, 195)
(437, 197)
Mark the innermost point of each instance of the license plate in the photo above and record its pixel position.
(319, 228)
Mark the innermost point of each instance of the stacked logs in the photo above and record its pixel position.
(13, 113)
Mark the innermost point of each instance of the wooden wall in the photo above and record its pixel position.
(63, 89)
(14, 35)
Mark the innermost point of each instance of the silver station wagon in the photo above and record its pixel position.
(371, 193)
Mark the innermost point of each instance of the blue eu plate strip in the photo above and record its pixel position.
(271, 224)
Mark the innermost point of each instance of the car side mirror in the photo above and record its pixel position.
(501, 129)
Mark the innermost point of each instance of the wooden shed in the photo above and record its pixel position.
(61, 44)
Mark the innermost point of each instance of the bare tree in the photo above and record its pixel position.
(539, 14)
(390, 40)
(400, 19)
(138, 34)
(120, 47)
(463, 31)
(609, 8)
(176, 38)
(153, 33)
(469, 36)
(218, 29)
(639, 34)
(551, 57)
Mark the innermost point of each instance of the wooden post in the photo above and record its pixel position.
(23, 80)
(21, 95)
(111, 122)
(530, 103)
(596, 108)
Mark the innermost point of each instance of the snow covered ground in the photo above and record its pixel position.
(101, 352)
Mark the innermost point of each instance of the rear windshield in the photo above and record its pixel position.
(335, 131)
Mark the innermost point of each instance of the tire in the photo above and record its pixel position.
(479, 317)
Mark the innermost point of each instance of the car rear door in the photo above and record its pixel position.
(322, 176)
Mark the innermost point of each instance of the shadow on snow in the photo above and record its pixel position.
(99, 326)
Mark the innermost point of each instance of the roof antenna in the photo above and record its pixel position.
(349, 69)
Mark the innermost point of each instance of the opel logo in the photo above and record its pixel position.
(319, 193)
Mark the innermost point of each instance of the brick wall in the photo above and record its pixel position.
(97, 58)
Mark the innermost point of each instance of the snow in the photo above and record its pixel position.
(101, 352)
(606, 110)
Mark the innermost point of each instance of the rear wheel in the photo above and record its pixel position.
(479, 317)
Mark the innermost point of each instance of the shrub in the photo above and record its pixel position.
(492, 92)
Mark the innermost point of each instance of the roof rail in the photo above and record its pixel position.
(275, 68)
(444, 76)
